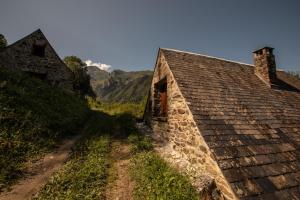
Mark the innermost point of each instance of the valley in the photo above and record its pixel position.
(119, 86)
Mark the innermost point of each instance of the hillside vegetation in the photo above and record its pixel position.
(84, 176)
(81, 81)
(153, 177)
(120, 86)
(91, 168)
(33, 117)
(115, 108)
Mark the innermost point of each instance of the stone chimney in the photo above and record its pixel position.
(265, 66)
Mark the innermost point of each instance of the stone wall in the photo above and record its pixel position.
(50, 67)
(179, 141)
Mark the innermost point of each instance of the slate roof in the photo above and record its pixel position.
(253, 130)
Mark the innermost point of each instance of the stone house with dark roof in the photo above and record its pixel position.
(234, 128)
(34, 55)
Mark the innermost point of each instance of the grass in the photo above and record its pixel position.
(154, 179)
(134, 109)
(33, 116)
(85, 175)
(31, 124)
(140, 143)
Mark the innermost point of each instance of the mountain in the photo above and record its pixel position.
(120, 86)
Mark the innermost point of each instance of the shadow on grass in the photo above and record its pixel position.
(87, 173)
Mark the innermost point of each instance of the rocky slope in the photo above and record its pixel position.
(120, 86)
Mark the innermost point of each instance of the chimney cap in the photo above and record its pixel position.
(266, 47)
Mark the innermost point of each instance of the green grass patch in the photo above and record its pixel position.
(140, 143)
(134, 109)
(85, 175)
(33, 116)
(156, 180)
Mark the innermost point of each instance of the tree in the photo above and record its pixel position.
(81, 82)
(3, 41)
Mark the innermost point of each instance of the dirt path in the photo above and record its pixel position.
(40, 172)
(120, 186)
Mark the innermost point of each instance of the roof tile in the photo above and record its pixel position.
(253, 130)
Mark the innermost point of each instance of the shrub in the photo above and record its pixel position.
(81, 82)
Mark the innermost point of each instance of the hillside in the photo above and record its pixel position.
(34, 117)
(120, 86)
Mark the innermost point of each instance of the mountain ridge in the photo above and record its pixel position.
(118, 85)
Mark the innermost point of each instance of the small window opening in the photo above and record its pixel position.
(38, 48)
(161, 98)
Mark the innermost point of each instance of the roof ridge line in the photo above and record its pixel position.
(24, 37)
(198, 54)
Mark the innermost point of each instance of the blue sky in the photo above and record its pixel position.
(126, 34)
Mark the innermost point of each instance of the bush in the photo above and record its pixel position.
(81, 83)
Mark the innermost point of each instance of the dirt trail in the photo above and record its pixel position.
(40, 172)
(120, 186)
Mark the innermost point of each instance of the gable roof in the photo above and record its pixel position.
(253, 130)
(36, 32)
(41, 34)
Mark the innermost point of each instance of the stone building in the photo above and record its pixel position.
(234, 128)
(34, 55)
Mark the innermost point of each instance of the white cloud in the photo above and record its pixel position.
(99, 65)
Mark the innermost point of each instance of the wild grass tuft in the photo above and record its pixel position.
(155, 179)
(140, 143)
